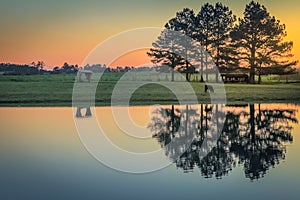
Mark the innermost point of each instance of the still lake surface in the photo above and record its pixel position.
(256, 155)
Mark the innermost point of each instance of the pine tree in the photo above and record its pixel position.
(259, 38)
(173, 46)
(223, 23)
(184, 23)
(203, 31)
(164, 50)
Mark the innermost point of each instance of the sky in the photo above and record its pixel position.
(58, 31)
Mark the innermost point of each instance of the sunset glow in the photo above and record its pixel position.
(66, 31)
(134, 58)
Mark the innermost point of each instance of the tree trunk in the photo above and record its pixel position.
(172, 74)
(217, 64)
(187, 71)
(201, 78)
(187, 76)
(201, 70)
(252, 65)
(252, 75)
(217, 76)
(259, 74)
(206, 59)
(206, 65)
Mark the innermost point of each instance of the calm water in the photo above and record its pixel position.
(255, 157)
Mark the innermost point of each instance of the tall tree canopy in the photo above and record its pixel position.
(256, 42)
(203, 29)
(170, 48)
(223, 23)
(212, 29)
(163, 51)
(259, 39)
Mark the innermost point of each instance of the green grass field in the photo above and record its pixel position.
(56, 90)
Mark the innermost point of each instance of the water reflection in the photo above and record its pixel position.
(177, 130)
(40, 151)
(88, 112)
(252, 137)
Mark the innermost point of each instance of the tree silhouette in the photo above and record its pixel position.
(259, 40)
(212, 28)
(260, 144)
(222, 52)
(254, 138)
(16, 69)
(176, 125)
(173, 49)
(203, 33)
(163, 51)
(165, 123)
(183, 23)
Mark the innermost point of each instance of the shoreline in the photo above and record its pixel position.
(107, 104)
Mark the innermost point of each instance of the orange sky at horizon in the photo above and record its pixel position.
(60, 31)
(136, 58)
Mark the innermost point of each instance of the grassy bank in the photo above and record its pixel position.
(56, 90)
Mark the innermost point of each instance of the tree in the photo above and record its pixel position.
(163, 51)
(173, 47)
(183, 23)
(68, 69)
(222, 24)
(259, 39)
(39, 65)
(212, 29)
(203, 29)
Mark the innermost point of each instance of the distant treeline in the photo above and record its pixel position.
(39, 68)
(35, 69)
(15, 69)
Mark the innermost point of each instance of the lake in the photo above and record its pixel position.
(44, 152)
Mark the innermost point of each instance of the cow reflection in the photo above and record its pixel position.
(88, 112)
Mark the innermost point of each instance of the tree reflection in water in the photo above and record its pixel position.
(252, 137)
